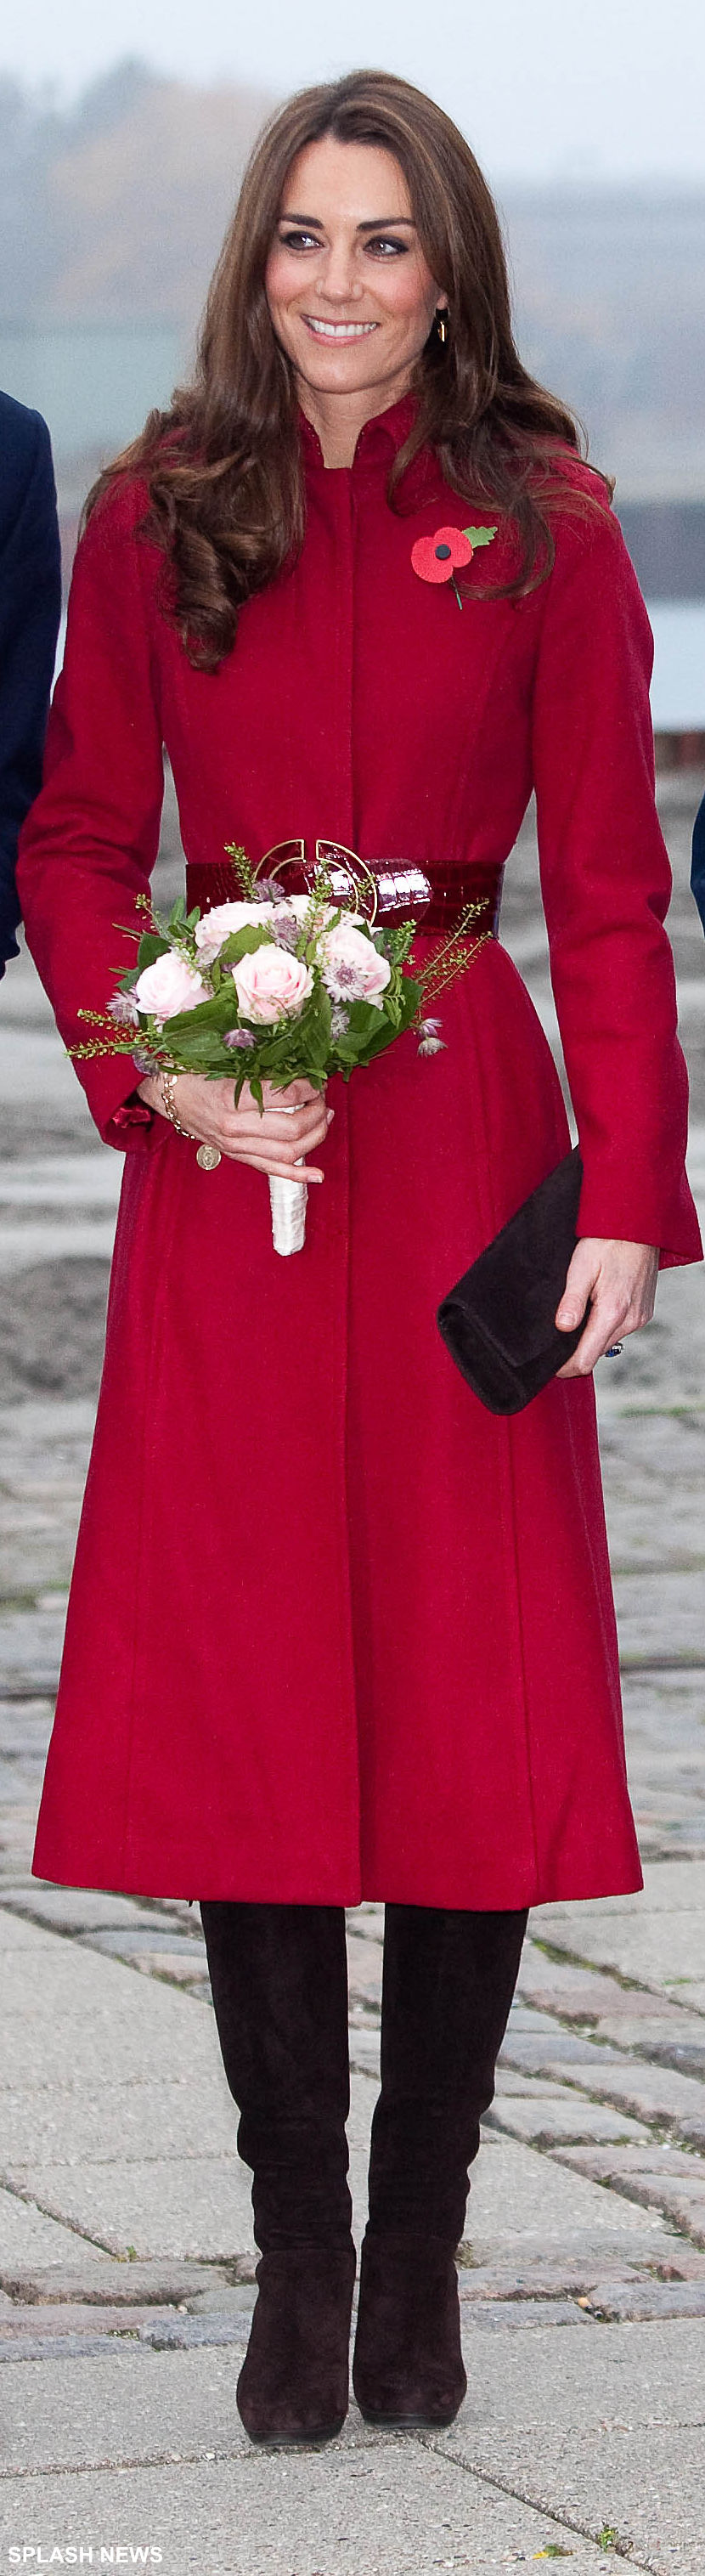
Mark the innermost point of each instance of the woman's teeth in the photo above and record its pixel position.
(339, 330)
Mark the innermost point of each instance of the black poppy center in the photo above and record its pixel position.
(443, 553)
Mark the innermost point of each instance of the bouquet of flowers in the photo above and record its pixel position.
(273, 987)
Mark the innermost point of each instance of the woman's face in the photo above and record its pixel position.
(350, 294)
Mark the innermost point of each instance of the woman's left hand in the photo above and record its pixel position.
(620, 1278)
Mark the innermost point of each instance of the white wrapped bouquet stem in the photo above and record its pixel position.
(288, 1204)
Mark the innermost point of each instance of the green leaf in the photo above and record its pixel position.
(480, 536)
(242, 943)
(151, 946)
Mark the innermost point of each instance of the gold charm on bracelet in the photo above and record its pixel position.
(208, 1156)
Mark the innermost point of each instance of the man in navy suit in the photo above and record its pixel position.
(697, 876)
(30, 606)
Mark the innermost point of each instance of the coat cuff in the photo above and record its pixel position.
(620, 1209)
(121, 1120)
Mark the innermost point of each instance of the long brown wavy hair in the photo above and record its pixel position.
(223, 466)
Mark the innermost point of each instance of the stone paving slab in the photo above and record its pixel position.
(642, 2481)
(75, 1909)
(68, 2125)
(181, 2209)
(29, 2236)
(619, 2428)
(669, 1885)
(619, 2421)
(388, 2508)
(662, 1950)
(640, 2302)
(111, 2283)
(547, 2122)
(681, 2198)
(520, 2199)
(649, 2093)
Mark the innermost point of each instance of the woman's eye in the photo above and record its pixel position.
(299, 241)
(383, 244)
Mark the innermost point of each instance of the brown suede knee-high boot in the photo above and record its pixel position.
(448, 1983)
(279, 1982)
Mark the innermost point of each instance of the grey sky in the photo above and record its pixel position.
(543, 88)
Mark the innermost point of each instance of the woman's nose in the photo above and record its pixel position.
(338, 278)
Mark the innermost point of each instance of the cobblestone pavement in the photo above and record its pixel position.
(126, 2254)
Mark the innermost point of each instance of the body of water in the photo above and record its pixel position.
(95, 384)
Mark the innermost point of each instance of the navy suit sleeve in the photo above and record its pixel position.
(697, 873)
(30, 607)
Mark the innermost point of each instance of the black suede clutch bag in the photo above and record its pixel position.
(498, 1323)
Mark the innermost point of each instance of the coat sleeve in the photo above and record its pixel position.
(30, 607)
(89, 845)
(606, 886)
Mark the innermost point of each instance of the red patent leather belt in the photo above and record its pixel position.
(434, 895)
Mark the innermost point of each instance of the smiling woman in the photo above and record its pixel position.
(397, 213)
(347, 285)
(336, 1632)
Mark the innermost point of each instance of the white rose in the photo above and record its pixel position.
(351, 966)
(224, 918)
(170, 985)
(271, 984)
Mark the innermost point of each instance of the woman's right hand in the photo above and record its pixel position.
(275, 1139)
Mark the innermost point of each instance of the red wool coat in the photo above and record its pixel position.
(335, 1631)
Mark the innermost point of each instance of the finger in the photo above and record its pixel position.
(583, 1274)
(293, 1135)
(603, 1328)
(272, 1148)
(282, 1123)
(297, 1094)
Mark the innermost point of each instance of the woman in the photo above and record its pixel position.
(336, 1632)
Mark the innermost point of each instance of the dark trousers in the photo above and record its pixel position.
(279, 1983)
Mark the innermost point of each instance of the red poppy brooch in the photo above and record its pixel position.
(442, 557)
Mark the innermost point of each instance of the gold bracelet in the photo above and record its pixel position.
(207, 1156)
(166, 1082)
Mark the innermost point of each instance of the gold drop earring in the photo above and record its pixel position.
(442, 323)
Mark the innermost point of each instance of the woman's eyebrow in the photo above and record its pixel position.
(382, 223)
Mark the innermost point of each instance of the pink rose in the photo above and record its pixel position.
(351, 966)
(270, 984)
(222, 920)
(168, 986)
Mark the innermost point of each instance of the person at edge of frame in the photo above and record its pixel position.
(336, 1632)
(697, 873)
(30, 608)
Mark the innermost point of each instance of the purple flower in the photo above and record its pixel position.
(239, 1038)
(267, 890)
(123, 1008)
(285, 927)
(429, 1041)
(339, 1021)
